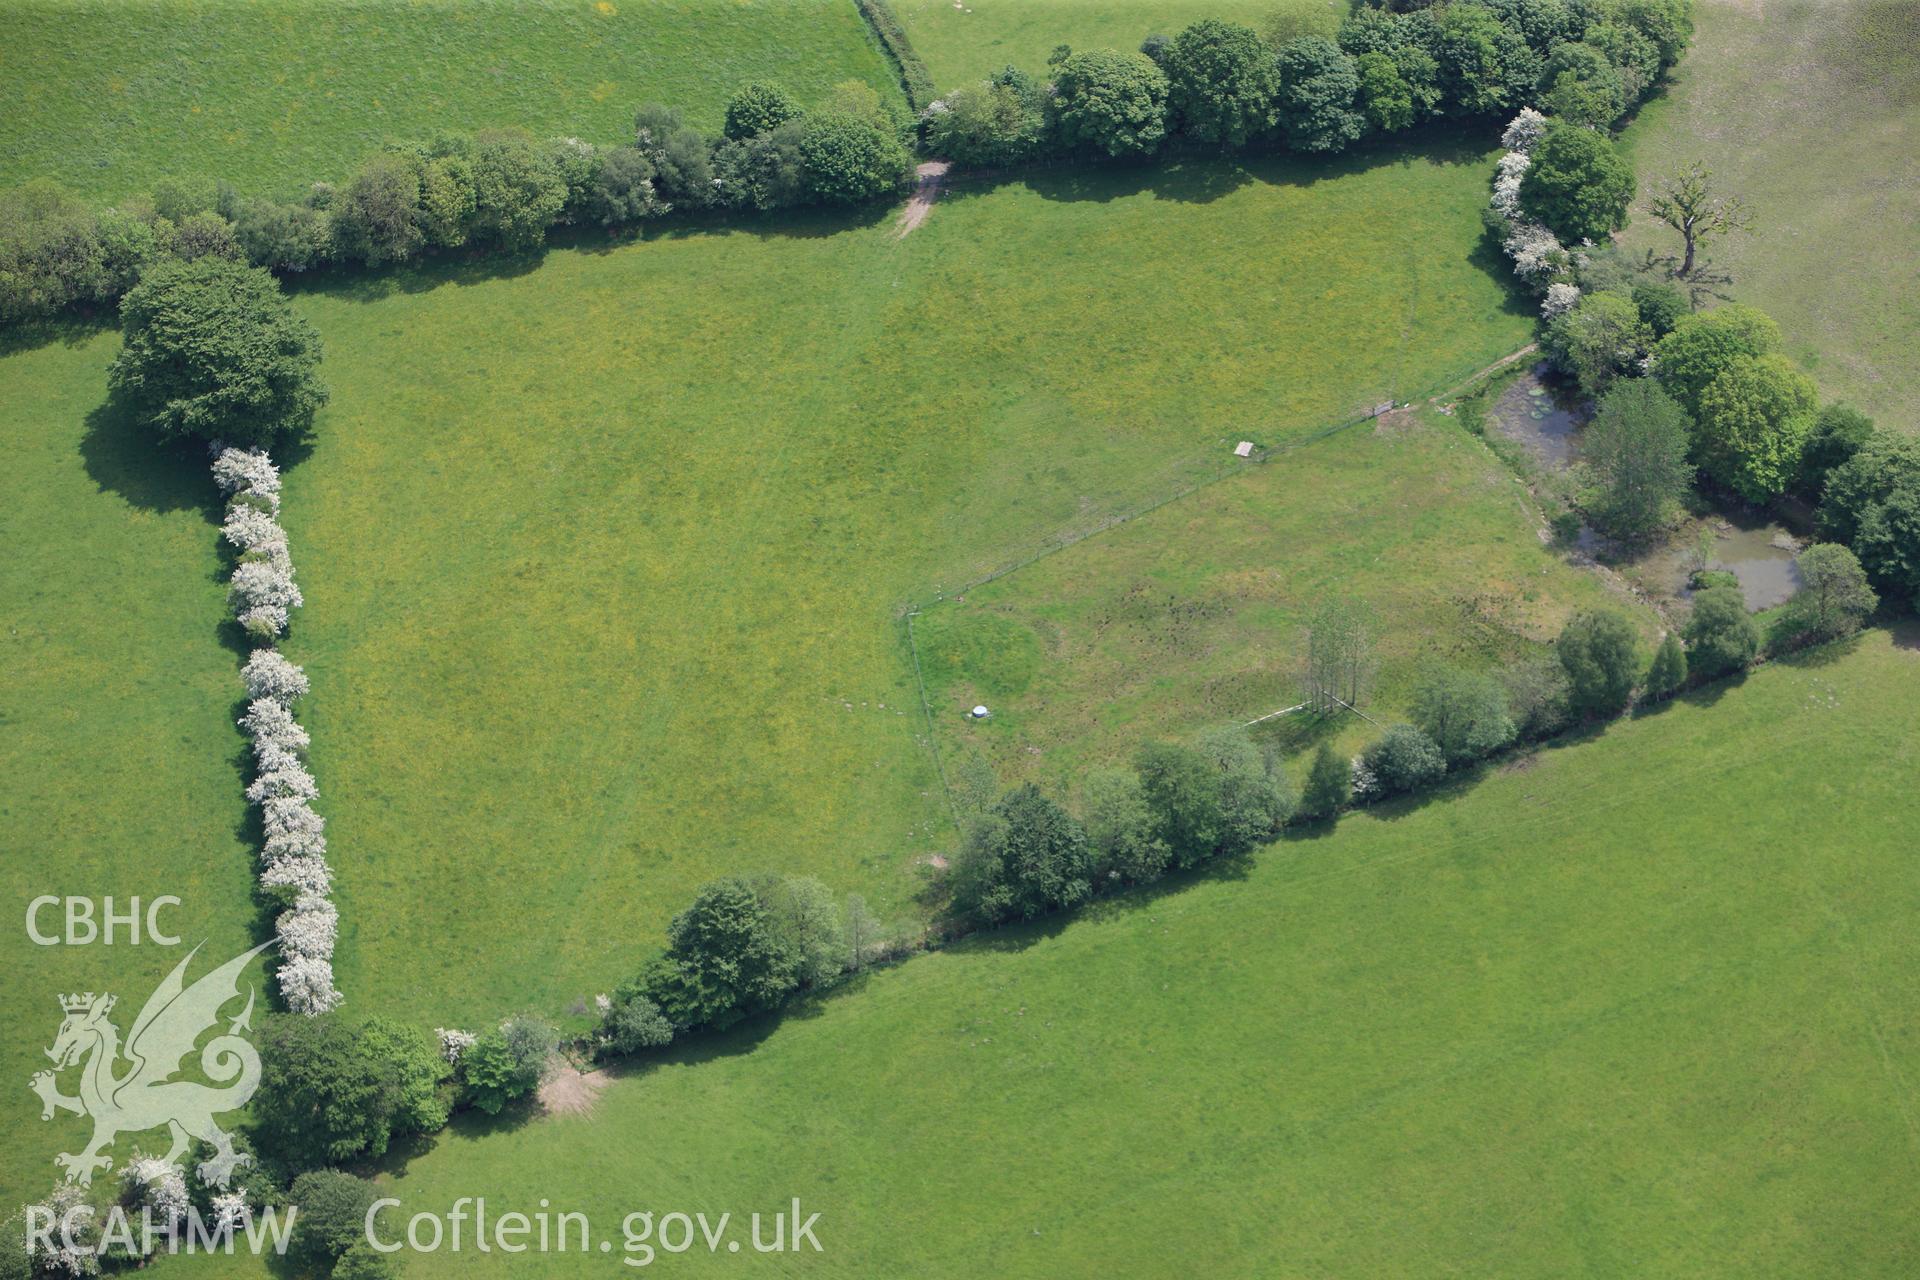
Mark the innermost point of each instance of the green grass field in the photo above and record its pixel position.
(1643, 1007)
(117, 743)
(963, 42)
(1193, 615)
(602, 575)
(109, 96)
(602, 557)
(1808, 110)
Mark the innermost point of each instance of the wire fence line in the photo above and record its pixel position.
(1215, 472)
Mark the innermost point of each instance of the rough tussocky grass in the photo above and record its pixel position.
(1808, 109)
(1194, 615)
(109, 96)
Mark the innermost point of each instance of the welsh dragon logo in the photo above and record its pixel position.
(144, 1095)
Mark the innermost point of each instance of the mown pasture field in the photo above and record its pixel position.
(1194, 615)
(603, 555)
(963, 42)
(603, 571)
(109, 97)
(1642, 1007)
(1807, 109)
(117, 697)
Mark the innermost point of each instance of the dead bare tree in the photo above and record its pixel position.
(1689, 204)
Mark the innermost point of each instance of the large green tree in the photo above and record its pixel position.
(505, 1064)
(1109, 101)
(1601, 654)
(1703, 344)
(1329, 784)
(518, 190)
(1636, 446)
(1754, 420)
(1578, 184)
(333, 1091)
(378, 218)
(1318, 88)
(1386, 99)
(1872, 503)
(1834, 596)
(1464, 712)
(1580, 84)
(807, 925)
(1120, 827)
(1721, 636)
(992, 123)
(1839, 432)
(1404, 758)
(1598, 339)
(1182, 790)
(331, 1217)
(51, 251)
(758, 108)
(1408, 42)
(1025, 858)
(723, 960)
(1221, 82)
(1668, 670)
(1255, 797)
(849, 158)
(1486, 65)
(211, 348)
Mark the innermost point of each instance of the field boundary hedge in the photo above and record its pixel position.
(915, 80)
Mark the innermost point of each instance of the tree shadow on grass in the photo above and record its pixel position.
(1201, 175)
(1490, 258)
(124, 458)
(467, 268)
(1019, 935)
(1292, 734)
(68, 329)
(374, 284)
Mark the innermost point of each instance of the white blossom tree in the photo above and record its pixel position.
(301, 875)
(74, 1252)
(289, 845)
(230, 1212)
(159, 1186)
(306, 984)
(263, 582)
(1560, 299)
(291, 782)
(1524, 130)
(249, 473)
(268, 675)
(309, 928)
(454, 1043)
(291, 818)
(250, 529)
(272, 726)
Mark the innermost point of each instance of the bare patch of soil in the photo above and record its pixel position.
(569, 1091)
(933, 175)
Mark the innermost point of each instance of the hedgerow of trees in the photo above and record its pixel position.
(1214, 84)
